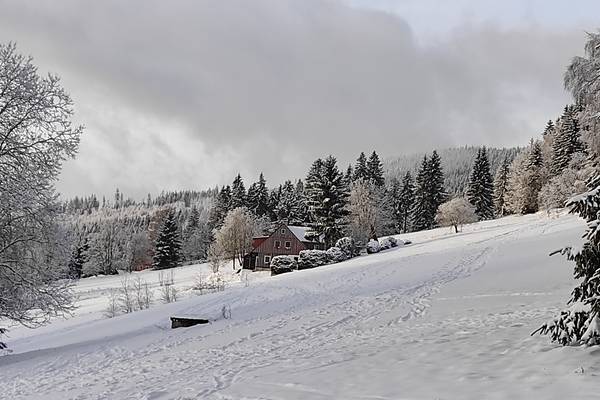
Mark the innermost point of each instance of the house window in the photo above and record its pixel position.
(288, 245)
(277, 244)
(283, 231)
(267, 259)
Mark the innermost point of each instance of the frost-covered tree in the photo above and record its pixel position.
(526, 177)
(582, 79)
(288, 207)
(500, 189)
(456, 213)
(375, 170)
(327, 196)
(234, 238)
(168, 244)
(559, 189)
(258, 197)
(421, 213)
(366, 216)
(429, 192)
(406, 201)
(481, 187)
(220, 208)
(238, 193)
(567, 141)
(196, 237)
(36, 136)
(361, 170)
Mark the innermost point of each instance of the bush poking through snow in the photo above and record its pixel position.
(312, 259)
(388, 243)
(373, 247)
(283, 264)
(348, 246)
(335, 254)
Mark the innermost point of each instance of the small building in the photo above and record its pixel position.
(285, 240)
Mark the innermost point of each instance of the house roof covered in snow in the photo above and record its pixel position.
(300, 232)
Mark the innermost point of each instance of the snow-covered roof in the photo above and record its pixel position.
(300, 232)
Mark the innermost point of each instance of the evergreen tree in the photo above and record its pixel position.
(375, 170)
(429, 192)
(406, 202)
(78, 259)
(311, 188)
(221, 207)
(360, 170)
(500, 188)
(481, 187)
(580, 323)
(168, 244)
(349, 175)
(301, 197)
(549, 129)
(393, 195)
(436, 177)
(238, 193)
(258, 197)
(328, 198)
(567, 141)
(421, 214)
(274, 197)
(288, 206)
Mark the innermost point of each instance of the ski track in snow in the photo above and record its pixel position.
(338, 318)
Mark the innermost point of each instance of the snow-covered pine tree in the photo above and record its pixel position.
(393, 195)
(311, 187)
(360, 169)
(567, 141)
(258, 197)
(288, 206)
(327, 195)
(168, 244)
(481, 187)
(406, 201)
(302, 208)
(429, 192)
(500, 188)
(349, 177)
(220, 208)
(549, 129)
(78, 259)
(238, 193)
(580, 323)
(375, 170)
(435, 177)
(274, 197)
(421, 212)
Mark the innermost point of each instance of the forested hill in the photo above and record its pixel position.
(456, 162)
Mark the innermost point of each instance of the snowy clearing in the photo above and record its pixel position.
(444, 318)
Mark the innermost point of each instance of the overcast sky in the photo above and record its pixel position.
(186, 94)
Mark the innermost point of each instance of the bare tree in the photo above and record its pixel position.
(456, 213)
(234, 238)
(36, 136)
(367, 211)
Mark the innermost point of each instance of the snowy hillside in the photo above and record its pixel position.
(447, 317)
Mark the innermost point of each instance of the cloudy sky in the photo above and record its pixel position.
(185, 94)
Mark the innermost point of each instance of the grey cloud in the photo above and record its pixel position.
(228, 86)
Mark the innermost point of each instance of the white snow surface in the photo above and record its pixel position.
(447, 317)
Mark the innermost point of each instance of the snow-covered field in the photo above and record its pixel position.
(448, 317)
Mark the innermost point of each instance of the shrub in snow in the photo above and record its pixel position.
(348, 246)
(335, 254)
(373, 246)
(388, 243)
(282, 264)
(312, 259)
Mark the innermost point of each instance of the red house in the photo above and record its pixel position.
(285, 240)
